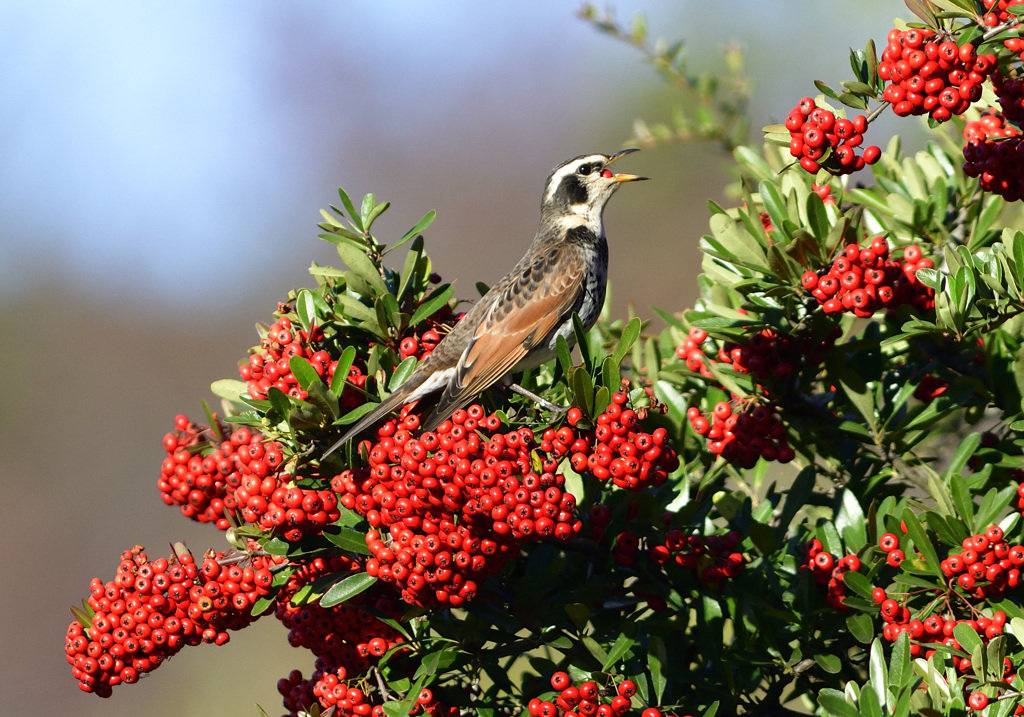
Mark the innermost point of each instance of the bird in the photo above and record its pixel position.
(515, 325)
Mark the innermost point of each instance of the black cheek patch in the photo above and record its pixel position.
(573, 190)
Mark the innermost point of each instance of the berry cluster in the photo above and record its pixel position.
(199, 474)
(744, 436)
(986, 566)
(939, 79)
(271, 367)
(152, 609)
(346, 634)
(828, 569)
(820, 140)
(998, 13)
(241, 477)
(332, 688)
(588, 699)
(711, 558)
(455, 503)
(866, 279)
(993, 154)
(617, 448)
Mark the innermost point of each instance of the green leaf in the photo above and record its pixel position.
(657, 657)
(899, 664)
(962, 500)
(829, 663)
(303, 371)
(338, 380)
(578, 613)
(229, 389)
(878, 671)
(435, 661)
(630, 333)
(279, 400)
(620, 648)
(922, 543)
(564, 353)
(581, 341)
(347, 588)
(431, 304)
(420, 226)
(347, 539)
(356, 413)
(861, 626)
(320, 396)
(858, 583)
(967, 637)
(353, 215)
(402, 373)
(835, 702)
(850, 520)
(963, 453)
(594, 649)
(355, 258)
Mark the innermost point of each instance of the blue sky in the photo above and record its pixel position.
(172, 150)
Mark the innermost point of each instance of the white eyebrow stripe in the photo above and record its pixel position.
(567, 169)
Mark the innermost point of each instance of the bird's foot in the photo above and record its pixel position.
(542, 402)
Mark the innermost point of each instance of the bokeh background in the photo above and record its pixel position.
(161, 173)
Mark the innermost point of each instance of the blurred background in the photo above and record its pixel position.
(162, 169)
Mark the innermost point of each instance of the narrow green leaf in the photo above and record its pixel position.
(279, 400)
(439, 660)
(868, 702)
(940, 494)
(564, 353)
(622, 645)
(656, 659)
(922, 543)
(353, 215)
(346, 589)
(630, 333)
(338, 380)
(962, 500)
(431, 304)
(900, 673)
(355, 414)
(581, 341)
(878, 671)
(420, 226)
(594, 649)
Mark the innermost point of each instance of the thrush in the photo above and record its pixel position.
(515, 325)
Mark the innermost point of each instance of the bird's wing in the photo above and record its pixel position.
(533, 303)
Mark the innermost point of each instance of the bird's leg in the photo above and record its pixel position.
(542, 402)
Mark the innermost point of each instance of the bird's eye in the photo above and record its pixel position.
(585, 169)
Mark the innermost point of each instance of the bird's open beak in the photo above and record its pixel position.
(624, 177)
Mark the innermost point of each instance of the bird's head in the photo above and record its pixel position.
(582, 186)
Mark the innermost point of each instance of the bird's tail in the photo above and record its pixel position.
(389, 404)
